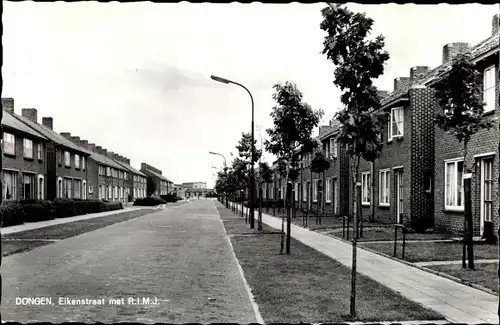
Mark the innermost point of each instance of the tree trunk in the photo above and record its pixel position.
(357, 195)
(466, 239)
(259, 221)
(288, 217)
(468, 213)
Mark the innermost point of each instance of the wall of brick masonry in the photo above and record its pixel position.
(447, 147)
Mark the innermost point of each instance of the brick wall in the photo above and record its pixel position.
(447, 147)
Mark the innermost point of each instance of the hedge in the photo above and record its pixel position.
(170, 198)
(149, 201)
(12, 214)
(38, 210)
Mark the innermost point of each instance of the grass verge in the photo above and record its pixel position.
(11, 247)
(308, 286)
(429, 251)
(76, 228)
(484, 274)
(386, 233)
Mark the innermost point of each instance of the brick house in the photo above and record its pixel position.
(24, 158)
(482, 156)
(107, 180)
(163, 184)
(137, 180)
(66, 168)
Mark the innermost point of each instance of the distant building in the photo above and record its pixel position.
(195, 189)
(163, 185)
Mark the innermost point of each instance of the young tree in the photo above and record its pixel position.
(265, 177)
(319, 164)
(293, 121)
(459, 94)
(358, 60)
(244, 148)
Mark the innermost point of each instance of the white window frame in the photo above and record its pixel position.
(27, 149)
(328, 190)
(9, 143)
(296, 193)
(315, 190)
(77, 184)
(489, 89)
(392, 121)
(84, 189)
(384, 193)
(77, 161)
(40, 151)
(366, 188)
(447, 206)
(304, 191)
(13, 185)
(68, 190)
(67, 159)
(334, 147)
(335, 191)
(59, 184)
(32, 182)
(83, 162)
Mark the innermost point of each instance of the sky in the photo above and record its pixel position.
(134, 78)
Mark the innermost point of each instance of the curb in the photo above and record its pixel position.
(423, 268)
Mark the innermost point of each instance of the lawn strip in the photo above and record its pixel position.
(386, 233)
(11, 247)
(484, 274)
(307, 286)
(75, 228)
(433, 251)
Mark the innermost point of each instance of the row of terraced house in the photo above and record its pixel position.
(420, 171)
(39, 163)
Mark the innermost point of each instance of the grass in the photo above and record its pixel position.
(76, 228)
(308, 286)
(429, 251)
(484, 274)
(386, 233)
(10, 247)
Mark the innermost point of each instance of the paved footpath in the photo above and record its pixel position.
(455, 301)
(179, 255)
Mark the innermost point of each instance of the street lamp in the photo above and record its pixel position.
(218, 154)
(252, 180)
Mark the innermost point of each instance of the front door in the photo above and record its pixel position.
(399, 195)
(486, 191)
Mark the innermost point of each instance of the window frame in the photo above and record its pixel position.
(6, 136)
(315, 190)
(384, 190)
(328, 190)
(366, 182)
(28, 149)
(40, 151)
(14, 194)
(391, 122)
(455, 207)
(67, 158)
(491, 88)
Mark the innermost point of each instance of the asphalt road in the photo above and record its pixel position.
(179, 257)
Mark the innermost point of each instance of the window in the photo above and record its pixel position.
(28, 148)
(328, 190)
(297, 189)
(84, 190)
(135, 193)
(10, 185)
(77, 161)
(9, 143)
(454, 195)
(121, 193)
(384, 187)
(40, 187)
(304, 191)
(28, 186)
(108, 171)
(102, 170)
(59, 157)
(83, 162)
(488, 189)
(489, 96)
(40, 151)
(110, 195)
(101, 192)
(335, 196)
(78, 188)
(333, 145)
(115, 196)
(67, 160)
(315, 190)
(396, 123)
(67, 187)
(365, 188)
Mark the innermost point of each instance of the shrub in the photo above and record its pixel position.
(12, 214)
(111, 206)
(37, 210)
(149, 201)
(170, 198)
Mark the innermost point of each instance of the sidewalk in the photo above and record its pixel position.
(456, 302)
(59, 221)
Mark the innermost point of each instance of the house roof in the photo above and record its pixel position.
(52, 135)
(102, 159)
(10, 121)
(158, 175)
(476, 51)
(130, 168)
(331, 131)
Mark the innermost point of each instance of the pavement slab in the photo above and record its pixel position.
(179, 257)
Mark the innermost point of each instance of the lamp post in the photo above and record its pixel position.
(252, 181)
(225, 170)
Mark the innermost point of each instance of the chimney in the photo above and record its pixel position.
(127, 161)
(451, 50)
(110, 154)
(48, 122)
(8, 105)
(104, 152)
(418, 72)
(84, 143)
(401, 83)
(98, 149)
(75, 140)
(30, 113)
(144, 166)
(495, 25)
(92, 147)
(67, 135)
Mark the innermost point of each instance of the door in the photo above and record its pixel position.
(399, 195)
(486, 191)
